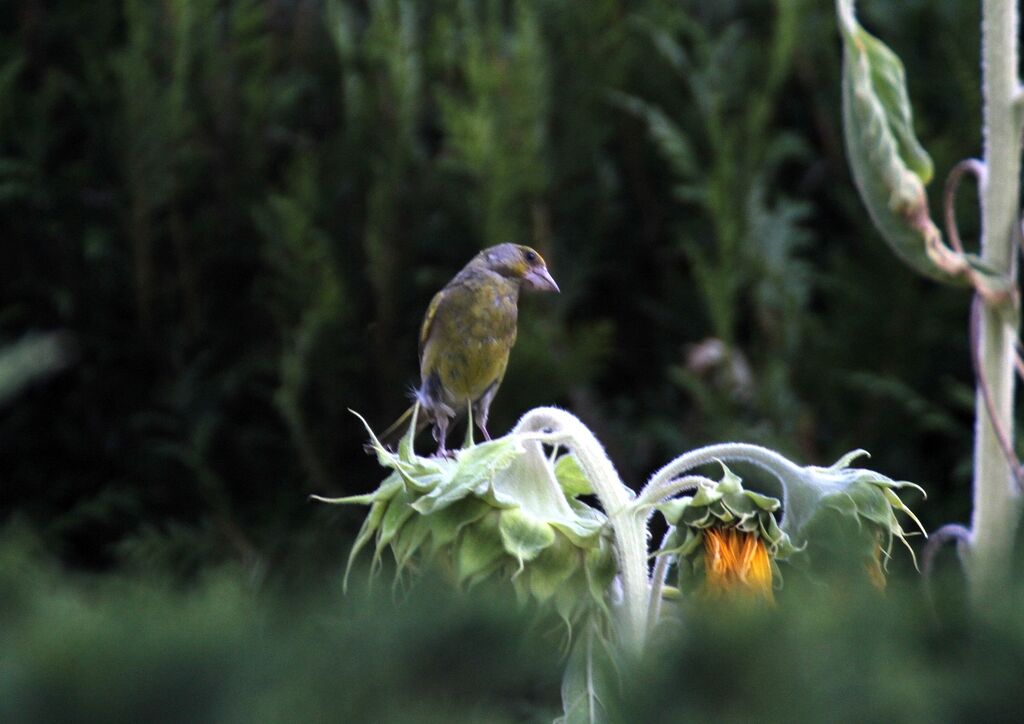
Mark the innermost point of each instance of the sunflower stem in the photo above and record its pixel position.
(658, 582)
(661, 485)
(617, 500)
(996, 501)
(677, 485)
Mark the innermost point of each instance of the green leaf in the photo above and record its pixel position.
(890, 167)
(399, 510)
(445, 524)
(482, 462)
(583, 529)
(589, 681)
(523, 535)
(464, 476)
(569, 596)
(571, 477)
(842, 502)
(763, 502)
(845, 460)
(872, 504)
(406, 446)
(387, 489)
(480, 549)
(442, 496)
(706, 495)
(530, 480)
(674, 509)
(467, 442)
(683, 542)
(898, 504)
(366, 532)
(423, 478)
(600, 567)
(384, 457)
(730, 484)
(409, 540)
(553, 567)
(697, 516)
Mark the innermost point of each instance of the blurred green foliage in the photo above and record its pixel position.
(234, 212)
(87, 648)
(115, 649)
(838, 655)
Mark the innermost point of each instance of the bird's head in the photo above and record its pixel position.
(516, 261)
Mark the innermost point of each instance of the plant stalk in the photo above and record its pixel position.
(628, 526)
(996, 502)
(660, 486)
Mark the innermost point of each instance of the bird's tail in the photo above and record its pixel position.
(397, 429)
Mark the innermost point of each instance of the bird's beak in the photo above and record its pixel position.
(540, 279)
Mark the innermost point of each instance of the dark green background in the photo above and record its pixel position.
(236, 213)
(233, 214)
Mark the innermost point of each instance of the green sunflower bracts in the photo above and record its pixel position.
(847, 516)
(499, 508)
(724, 531)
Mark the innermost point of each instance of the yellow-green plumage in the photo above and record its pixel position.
(468, 332)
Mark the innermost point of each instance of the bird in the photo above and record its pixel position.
(467, 333)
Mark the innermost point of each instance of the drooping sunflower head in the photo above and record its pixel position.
(725, 540)
(845, 519)
(501, 509)
(736, 560)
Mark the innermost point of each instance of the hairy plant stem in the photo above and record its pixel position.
(995, 498)
(658, 583)
(672, 488)
(626, 522)
(660, 486)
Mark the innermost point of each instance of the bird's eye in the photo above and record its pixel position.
(530, 256)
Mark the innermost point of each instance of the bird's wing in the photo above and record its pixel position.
(428, 320)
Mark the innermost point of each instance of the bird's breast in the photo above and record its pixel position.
(469, 346)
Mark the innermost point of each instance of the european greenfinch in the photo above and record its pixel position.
(468, 332)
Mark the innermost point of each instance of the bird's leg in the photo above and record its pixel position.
(482, 408)
(442, 416)
(440, 434)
